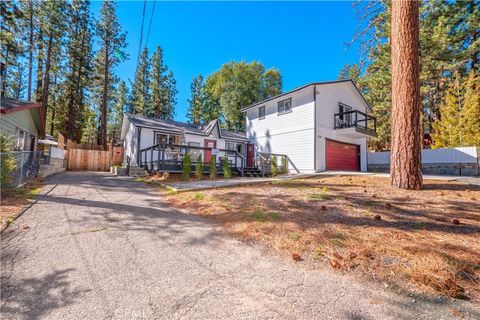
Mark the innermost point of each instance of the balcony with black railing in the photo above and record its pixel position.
(362, 123)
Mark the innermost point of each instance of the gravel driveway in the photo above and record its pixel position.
(95, 246)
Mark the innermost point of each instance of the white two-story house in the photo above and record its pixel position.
(319, 126)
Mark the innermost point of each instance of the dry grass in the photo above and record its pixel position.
(360, 224)
(13, 201)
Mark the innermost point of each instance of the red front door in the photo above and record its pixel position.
(342, 156)
(250, 155)
(212, 144)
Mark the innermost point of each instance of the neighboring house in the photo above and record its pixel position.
(319, 126)
(140, 133)
(21, 120)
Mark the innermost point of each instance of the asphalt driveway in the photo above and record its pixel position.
(95, 246)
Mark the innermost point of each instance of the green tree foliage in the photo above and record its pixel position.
(111, 41)
(450, 45)
(448, 130)
(350, 71)
(470, 113)
(196, 101)
(163, 88)
(120, 107)
(227, 171)
(213, 167)
(186, 167)
(274, 166)
(199, 167)
(90, 131)
(141, 97)
(8, 163)
(237, 85)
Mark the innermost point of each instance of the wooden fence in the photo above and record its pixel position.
(91, 157)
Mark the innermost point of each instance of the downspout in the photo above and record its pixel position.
(314, 128)
(139, 133)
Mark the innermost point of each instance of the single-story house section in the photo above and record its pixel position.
(21, 120)
(319, 126)
(140, 133)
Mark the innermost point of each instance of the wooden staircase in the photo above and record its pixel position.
(252, 172)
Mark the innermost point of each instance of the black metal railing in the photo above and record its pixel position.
(169, 157)
(356, 119)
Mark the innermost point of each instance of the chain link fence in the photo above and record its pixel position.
(27, 164)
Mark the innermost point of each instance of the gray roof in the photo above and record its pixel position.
(176, 127)
(11, 105)
(306, 86)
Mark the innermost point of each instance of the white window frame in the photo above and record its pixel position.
(20, 143)
(235, 146)
(281, 106)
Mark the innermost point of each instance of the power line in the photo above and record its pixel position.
(150, 24)
(141, 31)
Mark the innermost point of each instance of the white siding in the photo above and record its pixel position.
(290, 133)
(327, 98)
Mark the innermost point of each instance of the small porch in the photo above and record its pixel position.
(169, 157)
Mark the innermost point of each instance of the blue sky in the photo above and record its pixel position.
(304, 40)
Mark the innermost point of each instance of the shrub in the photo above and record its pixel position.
(187, 167)
(284, 165)
(213, 167)
(8, 162)
(199, 167)
(227, 171)
(274, 166)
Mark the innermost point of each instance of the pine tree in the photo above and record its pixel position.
(447, 131)
(121, 104)
(470, 114)
(111, 53)
(163, 87)
(78, 69)
(196, 101)
(141, 97)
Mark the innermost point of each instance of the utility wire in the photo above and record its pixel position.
(150, 24)
(141, 31)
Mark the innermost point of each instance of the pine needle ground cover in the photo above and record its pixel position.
(426, 241)
(14, 200)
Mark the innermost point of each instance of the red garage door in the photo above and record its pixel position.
(342, 156)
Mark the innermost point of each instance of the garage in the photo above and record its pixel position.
(342, 156)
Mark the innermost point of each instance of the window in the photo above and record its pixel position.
(193, 151)
(164, 138)
(20, 144)
(285, 106)
(261, 112)
(161, 138)
(234, 146)
(342, 109)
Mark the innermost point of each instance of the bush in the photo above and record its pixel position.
(213, 167)
(187, 167)
(8, 160)
(199, 167)
(227, 171)
(274, 166)
(284, 165)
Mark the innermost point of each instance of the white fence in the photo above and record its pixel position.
(448, 155)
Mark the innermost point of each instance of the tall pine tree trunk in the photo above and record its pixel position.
(405, 162)
(38, 94)
(46, 81)
(30, 53)
(103, 119)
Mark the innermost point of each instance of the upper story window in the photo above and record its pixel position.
(261, 112)
(285, 106)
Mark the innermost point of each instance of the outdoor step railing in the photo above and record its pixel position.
(264, 162)
(158, 156)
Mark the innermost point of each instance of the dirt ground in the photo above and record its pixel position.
(427, 241)
(13, 201)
